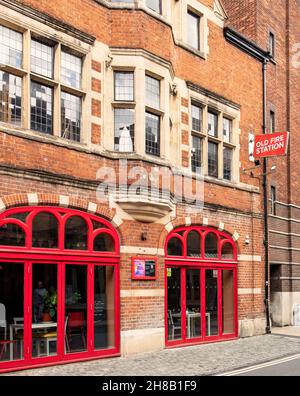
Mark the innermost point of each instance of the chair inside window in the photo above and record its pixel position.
(174, 325)
(76, 327)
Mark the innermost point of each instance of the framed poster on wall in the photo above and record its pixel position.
(144, 268)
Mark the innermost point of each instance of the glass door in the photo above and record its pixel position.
(174, 304)
(104, 307)
(193, 304)
(12, 296)
(212, 296)
(44, 320)
(76, 308)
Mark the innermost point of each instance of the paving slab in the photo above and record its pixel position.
(209, 359)
(290, 331)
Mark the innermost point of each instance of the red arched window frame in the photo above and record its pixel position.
(223, 238)
(62, 216)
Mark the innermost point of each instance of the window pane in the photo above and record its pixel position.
(227, 163)
(228, 302)
(227, 130)
(12, 311)
(76, 234)
(193, 303)
(155, 5)
(44, 313)
(104, 243)
(70, 116)
(193, 26)
(213, 159)
(211, 293)
(194, 244)
(211, 246)
(12, 235)
(76, 308)
(175, 247)
(196, 118)
(212, 119)
(45, 231)
(124, 86)
(11, 47)
(41, 58)
(71, 69)
(124, 130)
(152, 92)
(197, 155)
(10, 98)
(41, 108)
(174, 303)
(104, 314)
(227, 251)
(152, 134)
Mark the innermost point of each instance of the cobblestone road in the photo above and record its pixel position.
(197, 360)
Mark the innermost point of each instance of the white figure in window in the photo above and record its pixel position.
(125, 144)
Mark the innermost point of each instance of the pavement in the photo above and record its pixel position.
(202, 360)
(289, 331)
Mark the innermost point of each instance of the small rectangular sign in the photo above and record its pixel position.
(144, 268)
(271, 145)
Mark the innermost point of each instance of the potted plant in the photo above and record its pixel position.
(50, 306)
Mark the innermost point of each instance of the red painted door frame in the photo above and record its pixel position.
(29, 257)
(202, 269)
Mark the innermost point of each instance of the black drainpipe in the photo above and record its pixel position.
(266, 211)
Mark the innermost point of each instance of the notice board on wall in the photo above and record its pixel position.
(144, 268)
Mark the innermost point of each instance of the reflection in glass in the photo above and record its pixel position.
(41, 108)
(194, 244)
(124, 86)
(175, 247)
(193, 303)
(70, 116)
(211, 246)
(11, 311)
(174, 303)
(76, 234)
(11, 47)
(211, 293)
(152, 92)
(104, 243)
(76, 308)
(228, 302)
(227, 251)
(45, 231)
(152, 134)
(104, 314)
(10, 98)
(42, 58)
(44, 310)
(71, 69)
(12, 235)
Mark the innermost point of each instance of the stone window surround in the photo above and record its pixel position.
(222, 110)
(31, 28)
(174, 14)
(141, 66)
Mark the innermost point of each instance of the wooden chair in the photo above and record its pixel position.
(172, 326)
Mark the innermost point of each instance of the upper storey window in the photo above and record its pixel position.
(50, 75)
(154, 5)
(193, 30)
(11, 47)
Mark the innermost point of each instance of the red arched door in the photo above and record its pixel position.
(201, 286)
(59, 287)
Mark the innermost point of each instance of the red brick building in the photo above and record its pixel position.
(276, 29)
(107, 96)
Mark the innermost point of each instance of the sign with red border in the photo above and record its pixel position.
(271, 145)
(144, 268)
